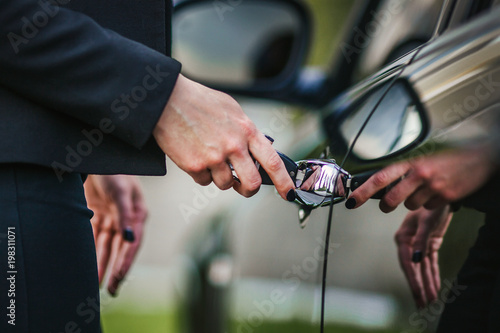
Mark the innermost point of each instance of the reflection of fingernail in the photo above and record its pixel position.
(128, 234)
(350, 203)
(269, 138)
(290, 196)
(417, 256)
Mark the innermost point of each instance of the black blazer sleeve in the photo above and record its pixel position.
(66, 62)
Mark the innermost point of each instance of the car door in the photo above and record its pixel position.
(358, 288)
(277, 267)
(382, 118)
(277, 264)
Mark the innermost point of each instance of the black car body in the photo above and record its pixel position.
(431, 72)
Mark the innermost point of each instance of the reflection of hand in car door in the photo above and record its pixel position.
(418, 239)
(429, 184)
(430, 181)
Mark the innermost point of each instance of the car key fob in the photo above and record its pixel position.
(290, 165)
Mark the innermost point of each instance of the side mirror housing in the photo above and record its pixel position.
(398, 123)
(254, 48)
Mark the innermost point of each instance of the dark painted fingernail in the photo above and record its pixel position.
(290, 196)
(269, 138)
(128, 235)
(350, 203)
(417, 256)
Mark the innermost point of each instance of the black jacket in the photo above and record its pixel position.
(83, 83)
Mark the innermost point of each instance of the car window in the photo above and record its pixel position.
(462, 11)
(395, 28)
(378, 32)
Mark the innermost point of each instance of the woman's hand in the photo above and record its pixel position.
(419, 239)
(431, 181)
(118, 222)
(203, 131)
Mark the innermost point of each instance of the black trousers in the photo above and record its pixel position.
(48, 277)
(475, 307)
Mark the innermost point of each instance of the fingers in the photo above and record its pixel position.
(213, 128)
(140, 207)
(420, 256)
(121, 266)
(102, 225)
(103, 251)
(131, 207)
(222, 176)
(435, 202)
(399, 193)
(412, 274)
(421, 240)
(404, 240)
(424, 197)
(248, 175)
(377, 182)
(434, 263)
(265, 154)
(421, 196)
(203, 178)
(116, 244)
(428, 280)
(119, 203)
(125, 253)
(125, 207)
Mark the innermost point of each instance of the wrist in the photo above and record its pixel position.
(180, 93)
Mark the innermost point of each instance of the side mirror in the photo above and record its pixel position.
(397, 124)
(248, 46)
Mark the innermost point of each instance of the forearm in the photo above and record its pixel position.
(72, 65)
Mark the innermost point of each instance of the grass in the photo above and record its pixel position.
(298, 327)
(139, 322)
(167, 322)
